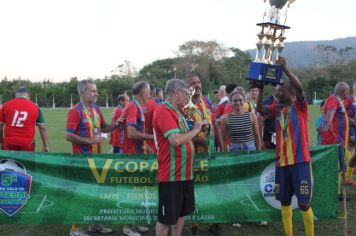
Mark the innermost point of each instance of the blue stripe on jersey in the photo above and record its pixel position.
(83, 131)
(340, 124)
(296, 137)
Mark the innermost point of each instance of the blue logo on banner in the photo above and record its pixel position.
(15, 186)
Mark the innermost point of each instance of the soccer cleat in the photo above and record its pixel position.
(130, 231)
(77, 233)
(262, 223)
(195, 231)
(341, 197)
(140, 228)
(236, 225)
(215, 229)
(99, 229)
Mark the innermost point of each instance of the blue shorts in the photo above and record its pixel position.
(243, 147)
(294, 179)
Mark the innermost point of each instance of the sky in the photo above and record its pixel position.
(60, 39)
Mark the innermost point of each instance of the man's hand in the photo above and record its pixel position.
(199, 125)
(45, 149)
(120, 120)
(97, 139)
(281, 61)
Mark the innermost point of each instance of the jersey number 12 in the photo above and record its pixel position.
(19, 118)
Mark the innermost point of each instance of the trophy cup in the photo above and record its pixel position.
(189, 109)
(270, 39)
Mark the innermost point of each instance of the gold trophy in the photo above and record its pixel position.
(270, 38)
(190, 109)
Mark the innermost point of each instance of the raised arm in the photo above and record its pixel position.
(293, 79)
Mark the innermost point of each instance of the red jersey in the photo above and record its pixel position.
(20, 116)
(227, 109)
(292, 132)
(134, 116)
(219, 110)
(148, 110)
(85, 124)
(340, 127)
(117, 135)
(174, 163)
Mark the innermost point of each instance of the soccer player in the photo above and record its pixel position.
(117, 135)
(335, 129)
(18, 119)
(205, 140)
(138, 120)
(175, 159)
(293, 165)
(85, 125)
(337, 126)
(135, 121)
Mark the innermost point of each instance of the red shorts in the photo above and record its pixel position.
(12, 147)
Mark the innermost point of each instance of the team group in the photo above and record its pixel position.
(186, 123)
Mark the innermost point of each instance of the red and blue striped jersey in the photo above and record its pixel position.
(134, 116)
(80, 124)
(292, 141)
(340, 127)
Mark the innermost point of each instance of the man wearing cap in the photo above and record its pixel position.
(18, 119)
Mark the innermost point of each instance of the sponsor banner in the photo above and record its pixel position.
(57, 188)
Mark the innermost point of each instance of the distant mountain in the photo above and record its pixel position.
(317, 53)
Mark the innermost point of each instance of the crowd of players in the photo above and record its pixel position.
(185, 123)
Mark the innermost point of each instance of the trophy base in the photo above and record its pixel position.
(266, 73)
(273, 26)
(190, 124)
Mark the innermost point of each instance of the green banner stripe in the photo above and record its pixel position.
(122, 189)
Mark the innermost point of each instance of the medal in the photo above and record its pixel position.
(96, 130)
(285, 134)
(284, 122)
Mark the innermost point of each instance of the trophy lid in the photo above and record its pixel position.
(278, 3)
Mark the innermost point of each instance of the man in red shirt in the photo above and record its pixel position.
(293, 164)
(136, 126)
(336, 129)
(18, 119)
(85, 125)
(136, 138)
(176, 154)
(117, 135)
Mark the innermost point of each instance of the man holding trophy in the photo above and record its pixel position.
(293, 164)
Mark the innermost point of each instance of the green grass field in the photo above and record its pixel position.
(56, 119)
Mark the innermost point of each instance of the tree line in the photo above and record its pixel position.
(215, 64)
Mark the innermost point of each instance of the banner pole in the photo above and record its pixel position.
(342, 166)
